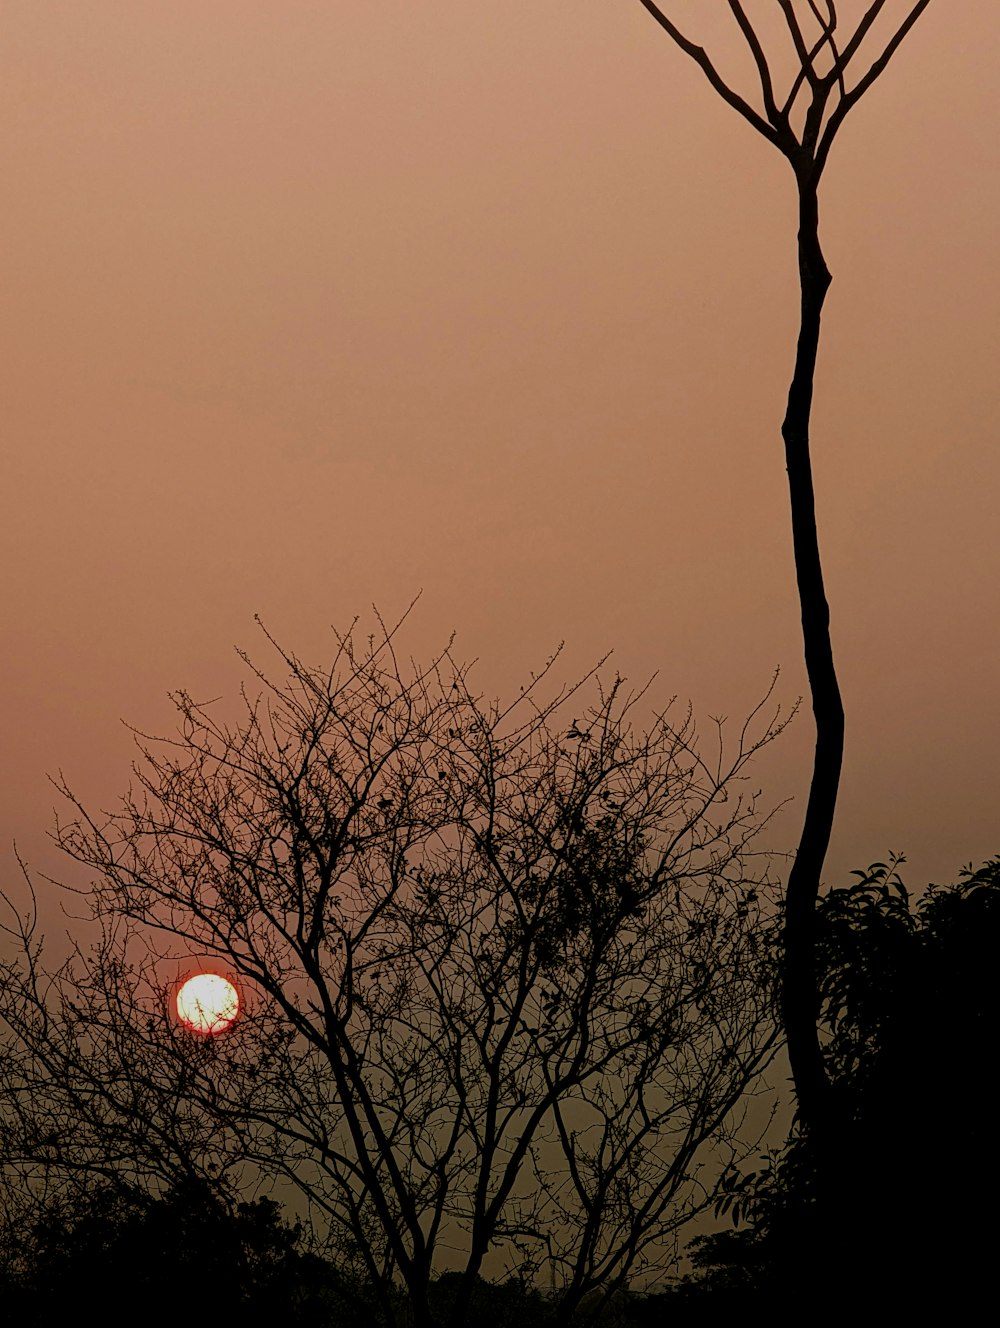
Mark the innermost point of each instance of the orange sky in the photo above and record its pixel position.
(309, 304)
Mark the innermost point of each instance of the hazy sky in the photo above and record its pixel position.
(314, 303)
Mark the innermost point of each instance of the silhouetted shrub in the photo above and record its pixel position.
(123, 1254)
(888, 1211)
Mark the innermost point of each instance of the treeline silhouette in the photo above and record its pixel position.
(122, 1254)
(890, 1216)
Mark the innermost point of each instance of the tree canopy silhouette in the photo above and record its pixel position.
(123, 1253)
(505, 969)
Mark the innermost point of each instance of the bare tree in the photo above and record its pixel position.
(505, 977)
(834, 66)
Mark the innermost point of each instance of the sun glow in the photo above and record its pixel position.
(207, 1003)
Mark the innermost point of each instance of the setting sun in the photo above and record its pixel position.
(207, 1003)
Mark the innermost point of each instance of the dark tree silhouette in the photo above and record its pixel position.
(836, 67)
(123, 1254)
(895, 1212)
(507, 974)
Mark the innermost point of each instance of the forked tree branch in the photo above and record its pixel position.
(760, 59)
(816, 139)
(876, 69)
(861, 32)
(838, 67)
(700, 57)
(828, 26)
(806, 56)
(800, 77)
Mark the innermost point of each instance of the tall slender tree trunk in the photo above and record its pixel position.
(799, 991)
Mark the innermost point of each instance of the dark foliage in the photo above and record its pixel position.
(891, 1212)
(509, 1304)
(122, 1253)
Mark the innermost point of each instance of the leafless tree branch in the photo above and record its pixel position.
(701, 58)
(506, 975)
